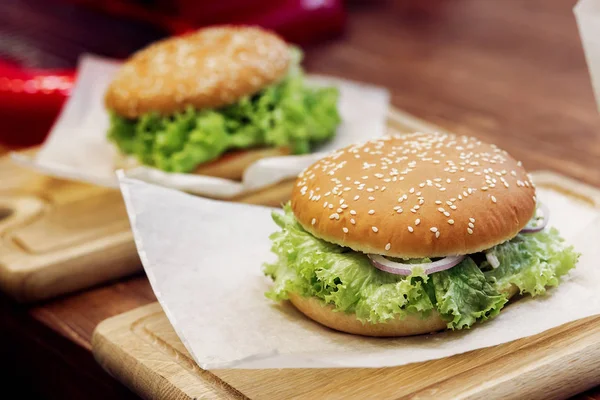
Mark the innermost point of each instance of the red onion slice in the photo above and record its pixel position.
(536, 225)
(383, 264)
(492, 259)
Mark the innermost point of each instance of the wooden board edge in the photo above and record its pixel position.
(574, 187)
(109, 343)
(412, 122)
(93, 263)
(514, 384)
(556, 372)
(508, 377)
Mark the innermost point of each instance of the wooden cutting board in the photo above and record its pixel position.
(141, 349)
(58, 236)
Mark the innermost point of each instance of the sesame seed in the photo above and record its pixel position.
(314, 221)
(388, 246)
(371, 198)
(472, 220)
(437, 234)
(448, 202)
(451, 221)
(484, 188)
(352, 212)
(433, 229)
(471, 225)
(345, 229)
(441, 209)
(371, 212)
(352, 221)
(493, 199)
(438, 202)
(446, 213)
(334, 215)
(339, 210)
(417, 221)
(470, 231)
(341, 201)
(410, 229)
(330, 206)
(412, 210)
(374, 228)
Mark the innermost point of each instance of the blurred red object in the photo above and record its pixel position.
(30, 100)
(298, 21)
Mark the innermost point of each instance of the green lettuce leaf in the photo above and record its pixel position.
(286, 114)
(532, 262)
(463, 295)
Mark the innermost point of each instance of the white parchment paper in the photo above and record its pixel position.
(203, 258)
(77, 148)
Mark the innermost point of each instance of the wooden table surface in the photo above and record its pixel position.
(511, 72)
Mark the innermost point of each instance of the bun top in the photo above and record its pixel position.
(210, 68)
(415, 195)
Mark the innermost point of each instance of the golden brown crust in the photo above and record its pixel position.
(210, 68)
(316, 310)
(324, 314)
(416, 195)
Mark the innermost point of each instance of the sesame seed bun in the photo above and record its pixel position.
(210, 68)
(416, 195)
(324, 314)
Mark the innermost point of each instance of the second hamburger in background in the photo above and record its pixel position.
(180, 104)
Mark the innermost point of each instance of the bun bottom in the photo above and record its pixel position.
(230, 165)
(324, 314)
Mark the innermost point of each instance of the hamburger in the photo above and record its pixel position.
(411, 234)
(182, 103)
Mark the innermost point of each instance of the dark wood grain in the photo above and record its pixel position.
(511, 71)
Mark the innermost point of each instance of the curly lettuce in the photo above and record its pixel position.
(532, 262)
(463, 295)
(287, 114)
